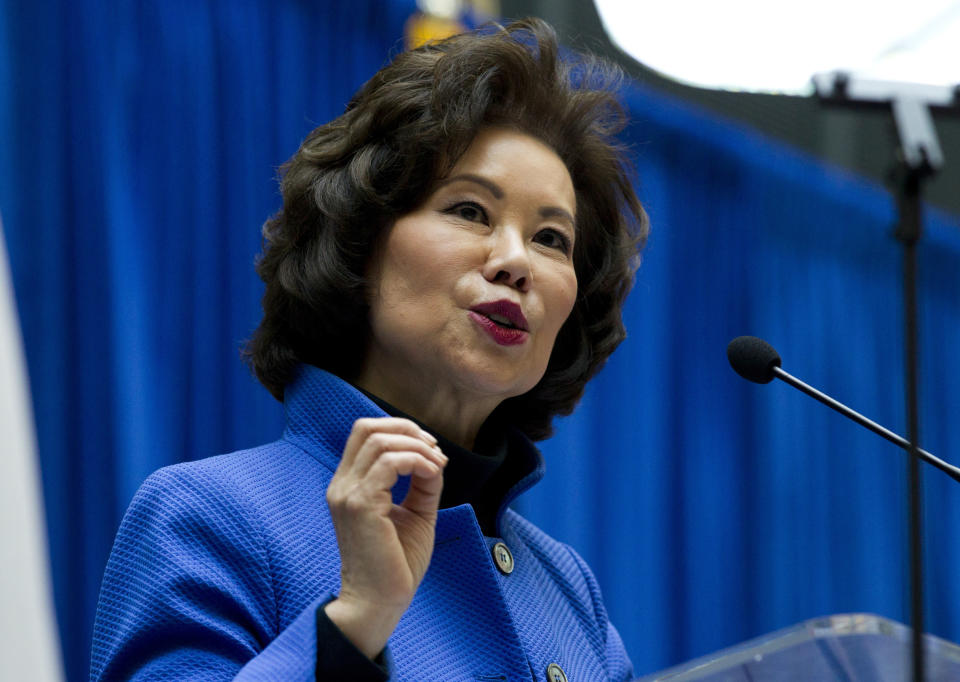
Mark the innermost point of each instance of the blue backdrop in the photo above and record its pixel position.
(140, 142)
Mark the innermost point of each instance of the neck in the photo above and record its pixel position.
(451, 414)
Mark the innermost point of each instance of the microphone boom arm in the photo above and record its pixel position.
(950, 470)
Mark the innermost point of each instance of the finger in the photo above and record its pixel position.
(364, 428)
(380, 444)
(383, 474)
(423, 496)
(370, 492)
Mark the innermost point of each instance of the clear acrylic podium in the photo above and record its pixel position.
(845, 648)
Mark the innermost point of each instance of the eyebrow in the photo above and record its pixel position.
(492, 187)
(557, 212)
(498, 193)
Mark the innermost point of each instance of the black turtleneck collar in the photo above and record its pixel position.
(321, 409)
(468, 474)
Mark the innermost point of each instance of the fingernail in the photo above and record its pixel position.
(429, 436)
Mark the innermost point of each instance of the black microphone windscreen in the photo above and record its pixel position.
(753, 358)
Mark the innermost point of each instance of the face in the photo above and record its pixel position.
(470, 289)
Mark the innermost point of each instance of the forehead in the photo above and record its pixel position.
(519, 164)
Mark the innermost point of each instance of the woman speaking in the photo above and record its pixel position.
(445, 275)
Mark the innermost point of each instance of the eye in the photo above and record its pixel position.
(553, 239)
(468, 210)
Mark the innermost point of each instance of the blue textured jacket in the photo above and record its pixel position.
(220, 564)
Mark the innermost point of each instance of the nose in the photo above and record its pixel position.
(508, 261)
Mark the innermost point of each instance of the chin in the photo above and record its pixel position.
(497, 383)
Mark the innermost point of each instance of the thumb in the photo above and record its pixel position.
(423, 496)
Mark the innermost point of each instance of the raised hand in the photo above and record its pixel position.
(385, 548)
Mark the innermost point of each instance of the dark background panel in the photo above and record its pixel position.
(861, 141)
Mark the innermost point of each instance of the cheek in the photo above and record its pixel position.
(425, 260)
(417, 292)
(409, 271)
(562, 299)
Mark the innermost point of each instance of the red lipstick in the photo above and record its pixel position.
(503, 320)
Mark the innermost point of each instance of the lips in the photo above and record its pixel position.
(503, 321)
(503, 313)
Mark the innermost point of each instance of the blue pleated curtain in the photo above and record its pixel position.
(138, 157)
(714, 509)
(140, 142)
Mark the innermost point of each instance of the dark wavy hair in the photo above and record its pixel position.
(401, 133)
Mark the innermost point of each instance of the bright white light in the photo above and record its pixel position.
(448, 9)
(770, 46)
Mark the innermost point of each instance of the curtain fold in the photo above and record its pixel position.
(140, 147)
(715, 510)
(139, 156)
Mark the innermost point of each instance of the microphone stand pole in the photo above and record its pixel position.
(909, 183)
(919, 158)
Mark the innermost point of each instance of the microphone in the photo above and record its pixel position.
(756, 360)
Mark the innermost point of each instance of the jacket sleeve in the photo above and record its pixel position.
(619, 667)
(188, 594)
